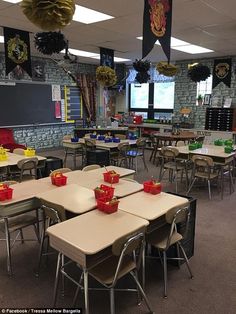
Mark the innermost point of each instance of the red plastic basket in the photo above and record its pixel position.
(59, 180)
(6, 194)
(104, 191)
(150, 187)
(111, 177)
(107, 207)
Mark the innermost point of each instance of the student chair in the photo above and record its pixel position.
(125, 259)
(168, 235)
(91, 167)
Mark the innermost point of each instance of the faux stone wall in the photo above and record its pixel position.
(49, 135)
(185, 92)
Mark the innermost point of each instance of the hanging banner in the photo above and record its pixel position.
(107, 57)
(222, 72)
(17, 50)
(157, 20)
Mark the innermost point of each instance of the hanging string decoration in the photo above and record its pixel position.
(49, 14)
(50, 42)
(142, 67)
(106, 76)
(198, 72)
(167, 69)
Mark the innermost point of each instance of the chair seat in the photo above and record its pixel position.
(105, 271)
(205, 175)
(159, 237)
(134, 153)
(18, 222)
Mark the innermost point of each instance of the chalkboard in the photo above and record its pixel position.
(26, 103)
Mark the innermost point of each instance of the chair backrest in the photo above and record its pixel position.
(121, 136)
(127, 245)
(9, 182)
(91, 167)
(202, 161)
(90, 143)
(200, 139)
(141, 142)
(174, 216)
(19, 151)
(180, 143)
(56, 213)
(61, 170)
(67, 137)
(169, 152)
(28, 164)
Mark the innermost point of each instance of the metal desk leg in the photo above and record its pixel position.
(8, 244)
(86, 296)
(74, 159)
(222, 180)
(143, 264)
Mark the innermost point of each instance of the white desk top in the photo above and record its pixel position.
(72, 197)
(14, 158)
(92, 232)
(123, 188)
(150, 206)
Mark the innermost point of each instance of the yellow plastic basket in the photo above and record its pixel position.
(3, 156)
(29, 152)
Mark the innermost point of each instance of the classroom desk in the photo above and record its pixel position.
(74, 198)
(14, 158)
(88, 238)
(99, 144)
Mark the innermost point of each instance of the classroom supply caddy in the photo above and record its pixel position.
(108, 207)
(111, 177)
(58, 179)
(5, 192)
(104, 191)
(3, 154)
(29, 152)
(152, 187)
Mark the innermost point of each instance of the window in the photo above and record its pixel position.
(164, 95)
(204, 87)
(139, 96)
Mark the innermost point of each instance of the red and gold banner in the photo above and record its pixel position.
(157, 20)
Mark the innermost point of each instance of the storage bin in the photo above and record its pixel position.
(29, 152)
(116, 140)
(107, 207)
(151, 187)
(59, 180)
(228, 149)
(74, 140)
(6, 193)
(104, 191)
(101, 138)
(108, 140)
(111, 177)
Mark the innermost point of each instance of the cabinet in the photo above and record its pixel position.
(220, 119)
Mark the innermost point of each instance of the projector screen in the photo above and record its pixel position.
(164, 94)
(139, 96)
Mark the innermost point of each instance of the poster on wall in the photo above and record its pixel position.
(38, 72)
(56, 93)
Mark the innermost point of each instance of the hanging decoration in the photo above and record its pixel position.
(107, 57)
(106, 76)
(49, 15)
(142, 67)
(17, 50)
(157, 20)
(222, 72)
(50, 42)
(198, 72)
(167, 69)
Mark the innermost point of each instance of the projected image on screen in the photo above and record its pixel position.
(139, 96)
(164, 94)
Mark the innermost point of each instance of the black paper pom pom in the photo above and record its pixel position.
(199, 73)
(141, 66)
(142, 77)
(50, 42)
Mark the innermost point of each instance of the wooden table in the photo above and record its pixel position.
(88, 238)
(13, 159)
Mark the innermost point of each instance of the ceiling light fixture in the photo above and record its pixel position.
(116, 59)
(183, 46)
(89, 16)
(1, 39)
(12, 1)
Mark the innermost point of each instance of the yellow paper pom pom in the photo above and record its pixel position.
(49, 14)
(167, 69)
(106, 76)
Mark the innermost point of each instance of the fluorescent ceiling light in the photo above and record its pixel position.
(88, 16)
(12, 1)
(116, 59)
(183, 46)
(81, 53)
(1, 39)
